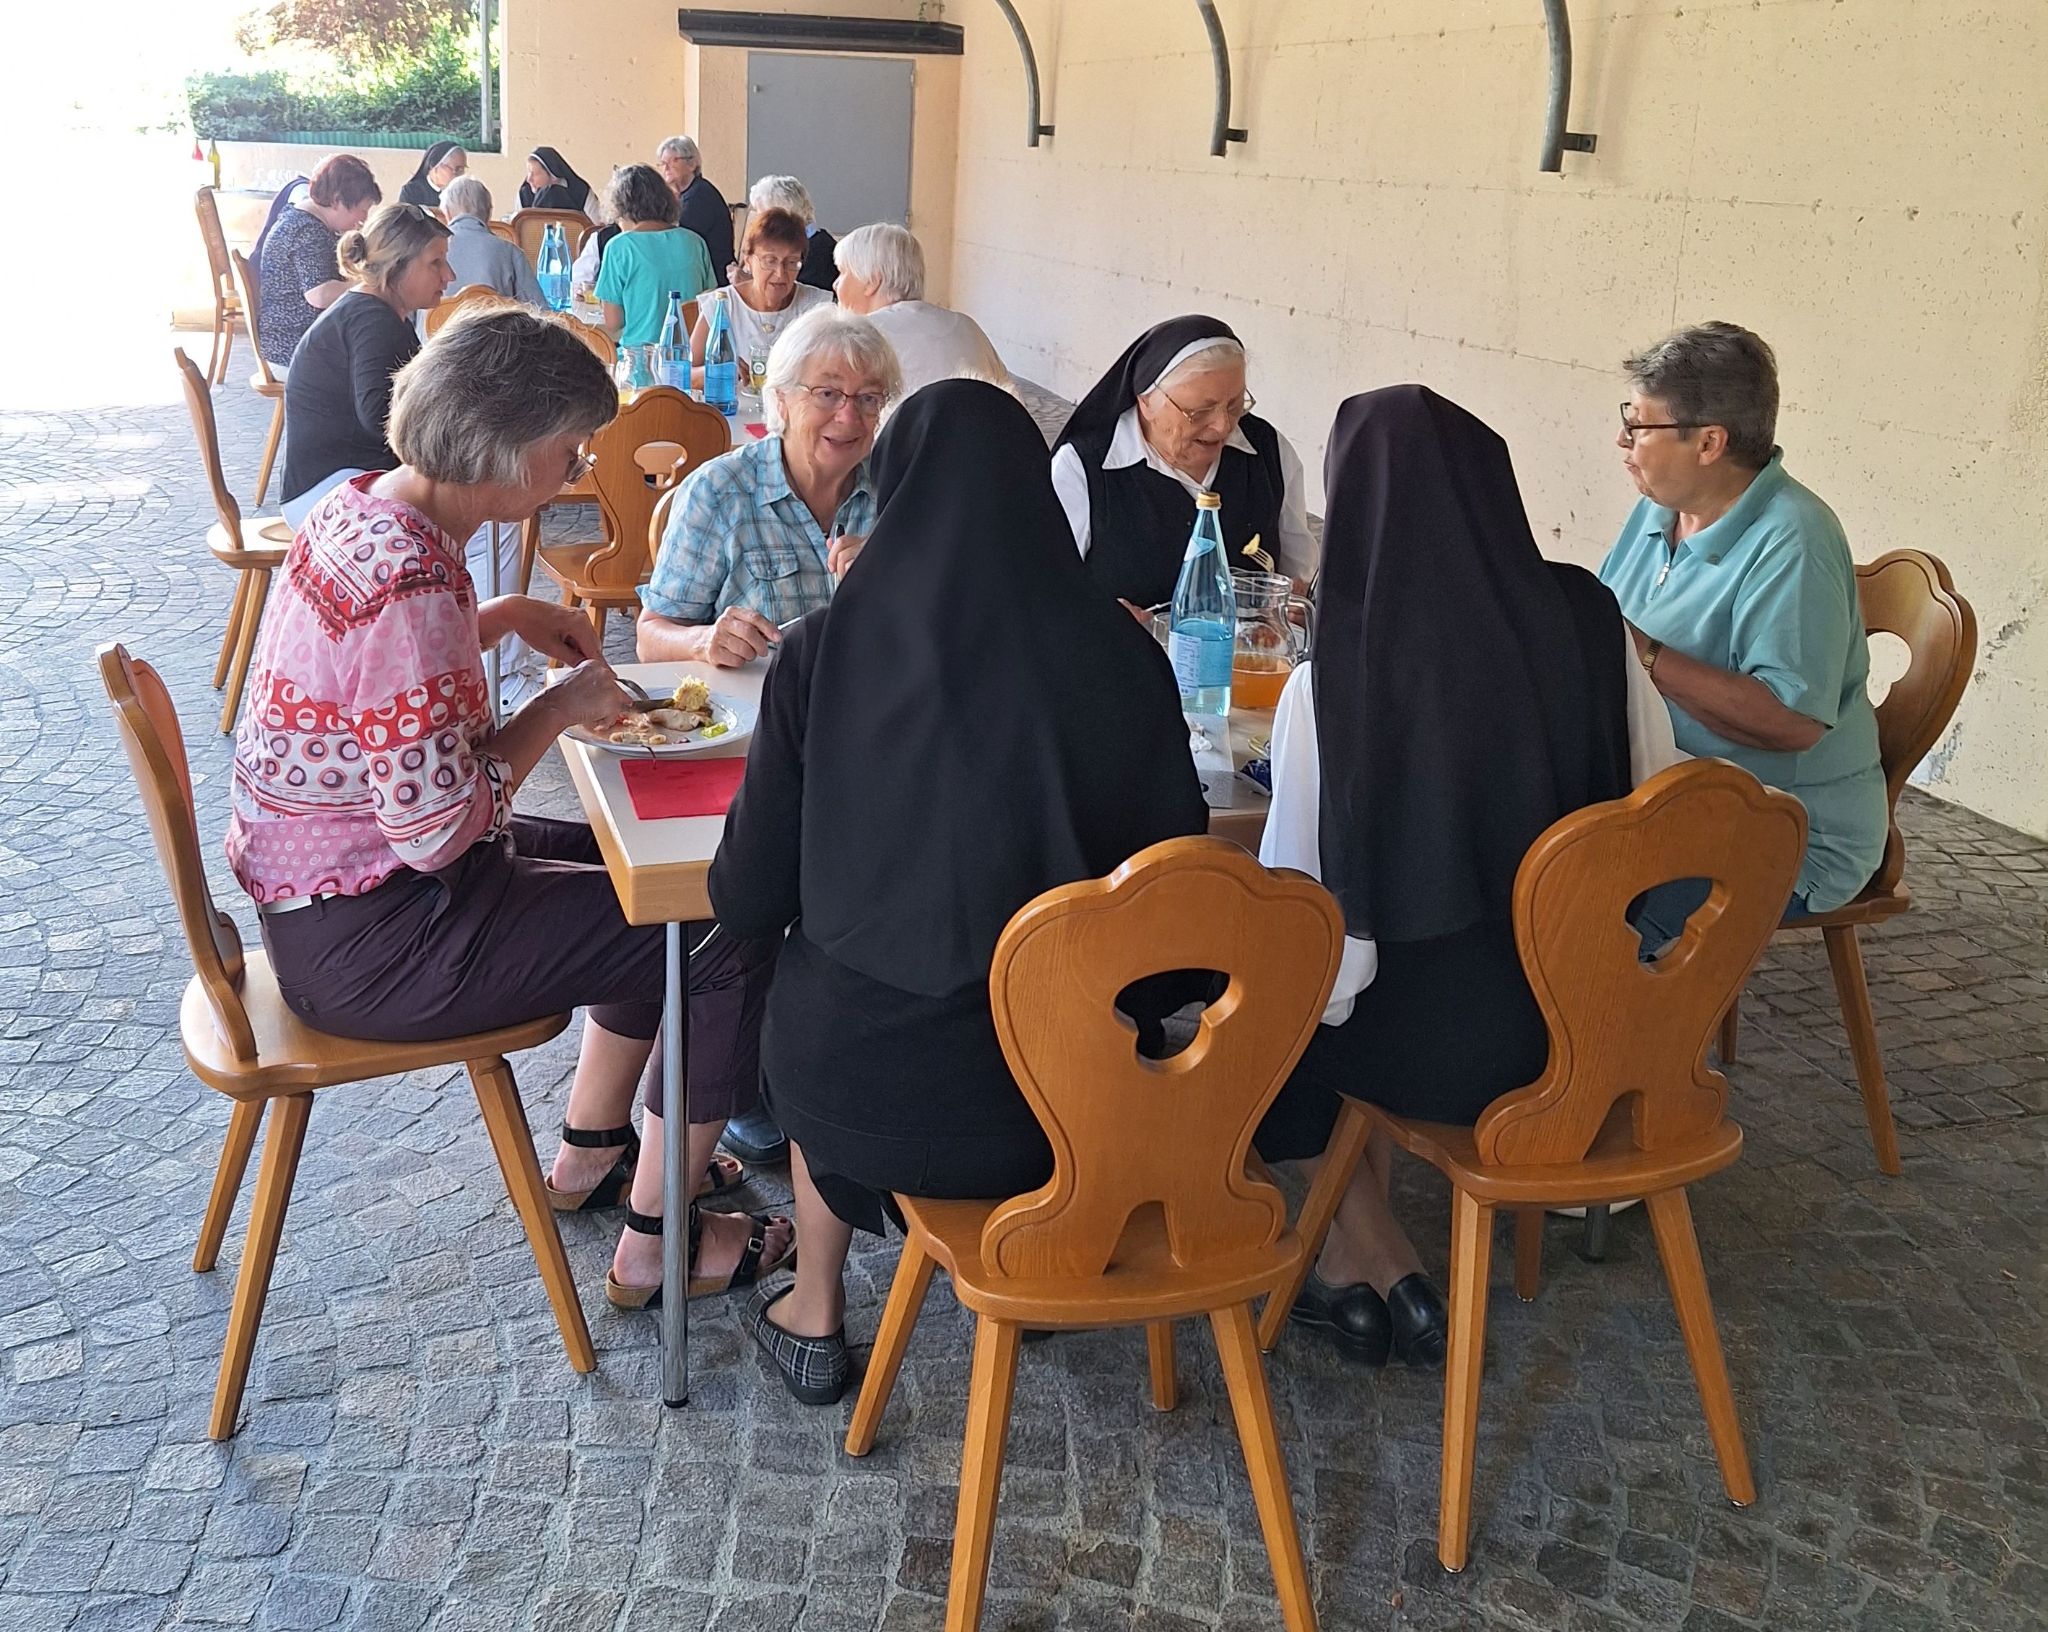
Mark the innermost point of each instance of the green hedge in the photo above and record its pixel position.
(436, 92)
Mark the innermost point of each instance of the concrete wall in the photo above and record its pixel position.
(1864, 182)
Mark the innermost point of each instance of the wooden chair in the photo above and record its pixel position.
(262, 382)
(254, 546)
(583, 490)
(1907, 593)
(464, 299)
(528, 226)
(227, 299)
(503, 229)
(242, 1038)
(608, 573)
(1151, 1215)
(1627, 1105)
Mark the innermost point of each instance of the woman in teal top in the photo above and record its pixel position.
(650, 257)
(1740, 592)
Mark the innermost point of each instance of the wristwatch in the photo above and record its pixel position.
(1651, 652)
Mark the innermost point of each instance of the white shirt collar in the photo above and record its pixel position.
(1129, 447)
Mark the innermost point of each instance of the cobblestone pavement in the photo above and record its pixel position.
(415, 1452)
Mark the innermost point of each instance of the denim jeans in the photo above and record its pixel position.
(1659, 914)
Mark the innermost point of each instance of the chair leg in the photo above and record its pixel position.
(497, 1096)
(274, 1178)
(270, 451)
(227, 344)
(216, 364)
(529, 549)
(243, 1122)
(1845, 957)
(1528, 1252)
(1593, 1237)
(1159, 1351)
(981, 1468)
(233, 631)
(1245, 1375)
(245, 645)
(1671, 1219)
(892, 1338)
(598, 613)
(1731, 1030)
(1471, 1259)
(1340, 1160)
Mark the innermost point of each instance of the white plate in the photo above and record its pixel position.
(736, 714)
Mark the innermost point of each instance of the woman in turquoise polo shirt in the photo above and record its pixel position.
(650, 257)
(1740, 593)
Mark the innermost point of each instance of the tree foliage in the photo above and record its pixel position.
(358, 31)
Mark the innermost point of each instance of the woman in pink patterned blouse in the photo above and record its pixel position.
(400, 896)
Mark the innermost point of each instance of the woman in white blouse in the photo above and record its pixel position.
(1465, 694)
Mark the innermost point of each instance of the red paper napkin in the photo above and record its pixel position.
(757, 431)
(681, 787)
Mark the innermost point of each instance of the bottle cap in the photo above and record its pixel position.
(1208, 501)
(675, 294)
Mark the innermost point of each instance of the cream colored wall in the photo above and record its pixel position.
(1865, 184)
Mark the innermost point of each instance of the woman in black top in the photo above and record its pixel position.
(1465, 694)
(439, 165)
(338, 393)
(969, 724)
(551, 185)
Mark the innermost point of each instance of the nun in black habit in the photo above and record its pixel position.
(551, 185)
(970, 723)
(439, 165)
(1465, 694)
(1173, 418)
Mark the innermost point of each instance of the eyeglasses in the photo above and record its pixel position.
(581, 464)
(1629, 427)
(778, 263)
(1227, 410)
(832, 399)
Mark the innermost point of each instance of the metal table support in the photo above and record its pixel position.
(675, 1194)
(491, 652)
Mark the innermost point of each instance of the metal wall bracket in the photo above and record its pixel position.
(1033, 130)
(1222, 133)
(1557, 141)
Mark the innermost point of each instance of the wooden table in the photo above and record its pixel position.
(659, 868)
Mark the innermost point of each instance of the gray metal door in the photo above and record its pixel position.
(841, 125)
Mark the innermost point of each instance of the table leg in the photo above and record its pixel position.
(675, 1194)
(491, 652)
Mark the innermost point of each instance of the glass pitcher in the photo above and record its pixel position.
(1270, 641)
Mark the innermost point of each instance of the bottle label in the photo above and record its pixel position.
(1200, 651)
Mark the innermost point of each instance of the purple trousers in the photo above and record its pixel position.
(511, 932)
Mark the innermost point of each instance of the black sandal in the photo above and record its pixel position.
(722, 1175)
(750, 1268)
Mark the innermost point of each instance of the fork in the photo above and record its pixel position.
(1252, 552)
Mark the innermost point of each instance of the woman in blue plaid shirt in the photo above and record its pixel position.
(759, 537)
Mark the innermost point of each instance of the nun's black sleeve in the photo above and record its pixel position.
(753, 878)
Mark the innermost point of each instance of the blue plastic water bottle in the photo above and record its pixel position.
(552, 267)
(674, 351)
(721, 362)
(1202, 631)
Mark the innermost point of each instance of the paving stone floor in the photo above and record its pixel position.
(416, 1453)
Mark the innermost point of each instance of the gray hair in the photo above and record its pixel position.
(490, 385)
(1715, 374)
(821, 333)
(680, 147)
(886, 255)
(782, 193)
(1220, 354)
(465, 195)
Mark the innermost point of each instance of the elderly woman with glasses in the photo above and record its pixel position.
(1171, 419)
(1740, 595)
(761, 536)
(399, 895)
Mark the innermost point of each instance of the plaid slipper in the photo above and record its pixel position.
(815, 1369)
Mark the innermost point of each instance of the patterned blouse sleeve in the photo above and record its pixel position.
(417, 708)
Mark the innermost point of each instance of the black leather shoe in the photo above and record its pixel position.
(1355, 1317)
(1420, 1322)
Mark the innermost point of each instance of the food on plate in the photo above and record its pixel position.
(688, 710)
(693, 696)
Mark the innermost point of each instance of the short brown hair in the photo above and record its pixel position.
(377, 252)
(344, 180)
(636, 192)
(781, 227)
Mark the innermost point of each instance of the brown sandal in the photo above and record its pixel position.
(722, 1175)
(751, 1267)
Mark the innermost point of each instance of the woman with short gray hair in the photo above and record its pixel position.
(699, 205)
(476, 255)
(881, 276)
(399, 896)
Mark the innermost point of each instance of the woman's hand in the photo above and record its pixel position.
(559, 633)
(840, 552)
(1142, 614)
(588, 694)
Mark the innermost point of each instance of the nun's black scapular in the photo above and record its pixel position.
(568, 191)
(418, 189)
(1468, 692)
(1139, 520)
(984, 724)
